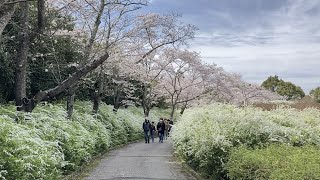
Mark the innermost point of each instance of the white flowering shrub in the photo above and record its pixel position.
(24, 155)
(132, 123)
(274, 162)
(205, 136)
(49, 145)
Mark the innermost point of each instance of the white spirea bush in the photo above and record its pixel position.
(204, 136)
(25, 155)
(49, 145)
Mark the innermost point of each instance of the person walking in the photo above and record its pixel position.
(161, 128)
(166, 129)
(146, 130)
(170, 127)
(158, 127)
(152, 131)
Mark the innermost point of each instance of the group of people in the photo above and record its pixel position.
(163, 129)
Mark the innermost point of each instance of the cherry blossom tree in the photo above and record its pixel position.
(104, 24)
(123, 75)
(92, 14)
(155, 34)
(211, 88)
(186, 78)
(232, 89)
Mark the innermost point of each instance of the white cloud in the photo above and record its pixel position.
(256, 38)
(285, 42)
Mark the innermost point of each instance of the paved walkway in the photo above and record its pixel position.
(140, 161)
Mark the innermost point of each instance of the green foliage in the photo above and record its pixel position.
(290, 91)
(315, 93)
(54, 56)
(51, 58)
(274, 162)
(205, 136)
(49, 145)
(286, 89)
(271, 83)
(6, 75)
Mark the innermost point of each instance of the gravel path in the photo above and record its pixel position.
(137, 161)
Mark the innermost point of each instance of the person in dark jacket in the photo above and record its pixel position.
(166, 130)
(170, 125)
(152, 131)
(146, 130)
(161, 127)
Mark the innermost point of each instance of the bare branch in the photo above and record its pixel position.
(42, 95)
(15, 2)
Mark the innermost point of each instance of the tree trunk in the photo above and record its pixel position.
(98, 92)
(21, 59)
(174, 102)
(173, 108)
(116, 100)
(146, 111)
(70, 102)
(40, 16)
(184, 106)
(6, 12)
(88, 48)
(96, 102)
(116, 104)
(244, 102)
(146, 102)
(2, 3)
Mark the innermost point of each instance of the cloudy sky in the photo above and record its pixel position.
(256, 38)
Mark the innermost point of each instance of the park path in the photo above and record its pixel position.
(140, 161)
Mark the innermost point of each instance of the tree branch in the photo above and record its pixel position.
(15, 2)
(125, 4)
(190, 99)
(44, 95)
(6, 13)
(156, 47)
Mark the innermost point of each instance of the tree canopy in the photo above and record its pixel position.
(315, 93)
(288, 90)
(101, 51)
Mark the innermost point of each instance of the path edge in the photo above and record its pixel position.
(86, 168)
(186, 167)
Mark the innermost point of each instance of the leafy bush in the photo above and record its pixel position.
(274, 162)
(24, 155)
(205, 135)
(115, 126)
(50, 145)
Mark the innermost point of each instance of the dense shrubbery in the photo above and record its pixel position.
(25, 155)
(205, 136)
(49, 145)
(275, 162)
